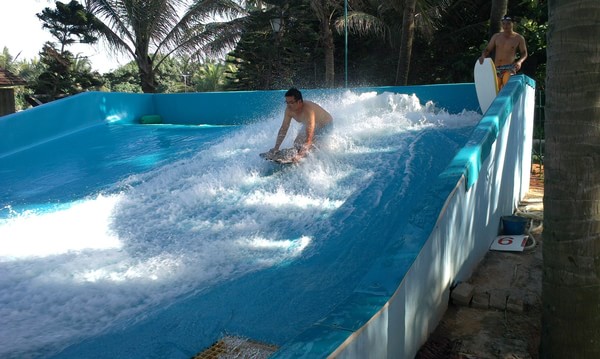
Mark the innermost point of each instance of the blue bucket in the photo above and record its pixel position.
(514, 225)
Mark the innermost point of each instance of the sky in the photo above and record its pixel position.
(21, 31)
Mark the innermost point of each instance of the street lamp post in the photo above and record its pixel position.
(277, 26)
(185, 76)
(346, 43)
(276, 23)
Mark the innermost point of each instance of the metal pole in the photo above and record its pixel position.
(185, 76)
(346, 43)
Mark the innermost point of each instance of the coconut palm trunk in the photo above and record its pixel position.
(408, 33)
(329, 50)
(498, 10)
(324, 11)
(571, 247)
(146, 72)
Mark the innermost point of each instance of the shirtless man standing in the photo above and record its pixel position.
(315, 119)
(506, 44)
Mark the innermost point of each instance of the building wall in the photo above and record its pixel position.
(7, 101)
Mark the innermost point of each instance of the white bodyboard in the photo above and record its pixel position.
(284, 156)
(486, 83)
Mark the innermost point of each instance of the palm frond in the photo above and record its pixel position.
(191, 24)
(361, 23)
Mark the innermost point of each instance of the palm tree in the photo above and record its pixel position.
(150, 31)
(496, 13)
(571, 248)
(211, 76)
(380, 18)
(408, 34)
(325, 11)
(7, 61)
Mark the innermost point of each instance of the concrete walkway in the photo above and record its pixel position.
(497, 312)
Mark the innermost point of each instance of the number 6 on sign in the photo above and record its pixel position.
(509, 243)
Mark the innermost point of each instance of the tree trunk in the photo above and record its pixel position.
(498, 10)
(571, 247)
(329, 48)
(146, 74)
(322, 11)
(408, 33)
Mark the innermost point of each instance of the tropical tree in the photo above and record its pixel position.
(124, 79)
(7, 60)
(265, 59)
(325, 11)
(381, 19)
(370, 37)
(211, 76)
(448, 55)
(571, 250)
(150, 31)
(69, 23)
(65, 74)
(28, 70)
(408, 34)
(498, 10)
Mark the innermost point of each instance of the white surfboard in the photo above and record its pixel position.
(486, 83)
(284, 156)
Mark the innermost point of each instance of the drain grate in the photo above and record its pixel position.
(237, 348)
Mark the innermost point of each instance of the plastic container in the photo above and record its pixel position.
(514, 225)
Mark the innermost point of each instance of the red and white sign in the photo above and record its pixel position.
(509, 243)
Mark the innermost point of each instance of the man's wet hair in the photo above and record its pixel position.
(295, 93)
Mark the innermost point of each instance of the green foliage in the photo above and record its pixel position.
(533, 25)
(151, 31)
(211, 76)
(63, 75)
(268, 60)
(28, 70)
(70, 23)
(456, 44)
(449, 38)
(7, 61)
(124, 79)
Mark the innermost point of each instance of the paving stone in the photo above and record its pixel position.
(469, 332)
(498, 299)
(462, 294)
(481, 300)
(515, 303)
(531, 300)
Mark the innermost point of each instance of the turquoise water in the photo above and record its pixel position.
(92, 160)
(153, 241)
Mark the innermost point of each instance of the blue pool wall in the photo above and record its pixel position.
(59, 118)
(402, 298)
